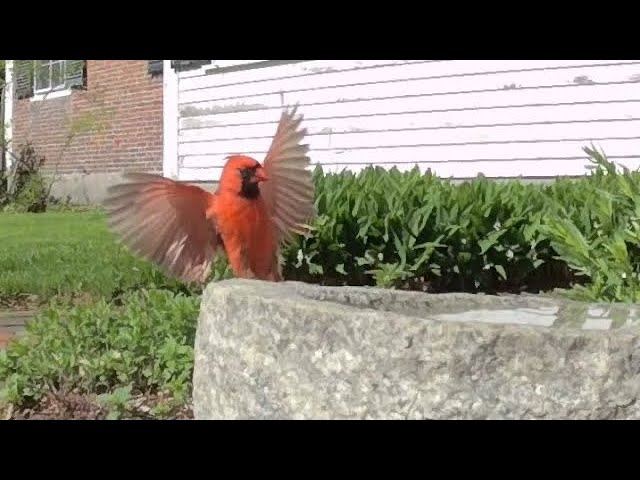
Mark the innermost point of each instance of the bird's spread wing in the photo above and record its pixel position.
(165, 222)
(289, 191)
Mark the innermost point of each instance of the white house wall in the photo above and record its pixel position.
(460, 118)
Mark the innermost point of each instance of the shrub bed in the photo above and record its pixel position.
(411, 230)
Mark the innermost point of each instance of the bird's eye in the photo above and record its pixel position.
(247, 172)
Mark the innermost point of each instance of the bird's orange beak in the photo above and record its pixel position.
(260, 175)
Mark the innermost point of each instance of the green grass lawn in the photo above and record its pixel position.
(68, 255)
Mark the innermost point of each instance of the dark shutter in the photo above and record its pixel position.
(182, 65)
(76, 73)
(23, 73)
(155, 67)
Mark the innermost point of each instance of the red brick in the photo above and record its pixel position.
(133, 128)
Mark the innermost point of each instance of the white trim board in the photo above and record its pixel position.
(8, 111)
(170, 121)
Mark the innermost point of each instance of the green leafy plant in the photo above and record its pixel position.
(413, 230)
(117, 402)
(594, 228)
(144, 346)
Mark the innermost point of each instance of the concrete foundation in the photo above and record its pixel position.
(91, 188)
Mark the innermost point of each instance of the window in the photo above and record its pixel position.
(49, 75)
(42, 79)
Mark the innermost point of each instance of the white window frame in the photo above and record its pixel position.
(49, 91)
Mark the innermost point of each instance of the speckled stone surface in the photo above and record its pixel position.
(297, 351)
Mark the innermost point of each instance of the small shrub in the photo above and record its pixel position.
(594, 227)
(30, 190)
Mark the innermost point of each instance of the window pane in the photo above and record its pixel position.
(43, 73)
(57, 74)
(73, 67)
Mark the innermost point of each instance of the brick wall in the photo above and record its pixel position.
(114, 124)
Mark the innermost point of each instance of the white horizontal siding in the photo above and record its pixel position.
(278, 72)
(332, 71)
(459, 118)
(322, 103)
(459, 170)
(204, 141)
(347, 134)
(502, 152)
(235, 127)
(412, 79)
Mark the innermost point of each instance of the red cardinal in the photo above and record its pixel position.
(182, 227)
